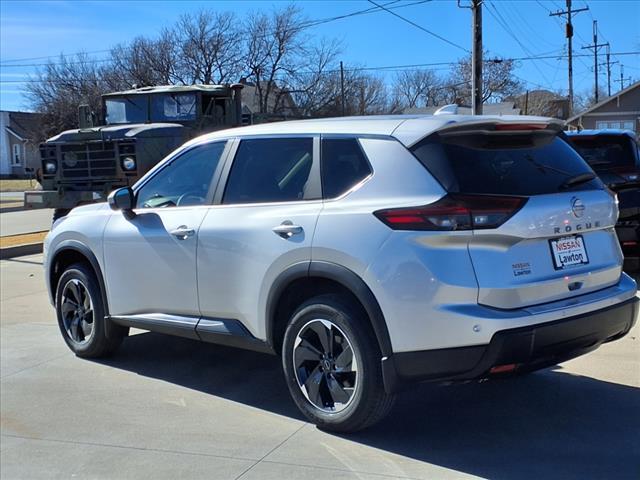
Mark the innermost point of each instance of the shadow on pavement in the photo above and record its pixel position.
(549, 424)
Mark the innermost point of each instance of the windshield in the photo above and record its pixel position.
(605, 152)
(173, 107)
(132, 109)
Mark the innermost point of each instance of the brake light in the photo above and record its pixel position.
(454, 212)
(519, 126)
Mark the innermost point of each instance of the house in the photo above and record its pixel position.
(542, 103)
(19, 154)
(621, 110)
(280, 104)
(500, 108)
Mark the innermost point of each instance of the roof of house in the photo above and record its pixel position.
(24, 125)
(501, 108)
(408, 129)
(605, 101)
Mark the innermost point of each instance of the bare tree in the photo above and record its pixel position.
(58, 89)
(275, 51)
(417, 88)
(587, 99)
(314, 90)
(498, 80)
(210, 45)
(366, 95)
(144, 62)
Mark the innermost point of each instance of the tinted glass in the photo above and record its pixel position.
(270, 170)
(343, 166)
(504, 165)
(185, 181)
(131, 109)
(605, 152)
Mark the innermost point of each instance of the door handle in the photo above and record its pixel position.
(287, 230)
(183, 232)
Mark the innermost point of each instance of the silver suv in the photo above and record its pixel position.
(369, 253)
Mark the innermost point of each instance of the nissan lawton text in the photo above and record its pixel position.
(369, 253)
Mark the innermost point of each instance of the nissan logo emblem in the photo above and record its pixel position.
(577, 207)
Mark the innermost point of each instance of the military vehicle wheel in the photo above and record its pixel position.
(59, 213)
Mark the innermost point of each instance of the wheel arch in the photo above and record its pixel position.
(67, 253)
(316, 277)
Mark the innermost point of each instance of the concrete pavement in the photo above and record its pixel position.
(166, 407)
(25, 221)
(5, 196)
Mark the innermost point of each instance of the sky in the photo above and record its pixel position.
(512, 29)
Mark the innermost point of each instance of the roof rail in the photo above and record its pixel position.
(451, 109)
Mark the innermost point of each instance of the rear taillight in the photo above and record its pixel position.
(511, 127)
(454, 212)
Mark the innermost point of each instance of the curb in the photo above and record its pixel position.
(20, 250)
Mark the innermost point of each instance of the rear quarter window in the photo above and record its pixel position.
(515, 164)
(343, 165)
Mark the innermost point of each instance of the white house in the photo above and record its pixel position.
(18, 143)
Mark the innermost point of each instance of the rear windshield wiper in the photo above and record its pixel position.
(544, 166)
(577, 180)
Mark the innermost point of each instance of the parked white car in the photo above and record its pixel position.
(369, 253)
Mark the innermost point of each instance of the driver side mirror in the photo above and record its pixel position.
(123, 199)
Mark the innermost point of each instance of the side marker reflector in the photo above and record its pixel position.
(510, 367)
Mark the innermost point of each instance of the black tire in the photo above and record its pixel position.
(59, 213)
(368, 402)
(80, 277)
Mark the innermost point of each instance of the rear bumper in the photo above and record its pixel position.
(530, 348)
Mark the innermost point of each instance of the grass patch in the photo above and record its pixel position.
(12, 185)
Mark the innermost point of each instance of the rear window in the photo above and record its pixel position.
(605, 152)
(515, 164)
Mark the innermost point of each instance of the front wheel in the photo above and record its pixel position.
(331, 361)
(81, 314)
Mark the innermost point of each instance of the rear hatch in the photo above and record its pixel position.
(614, 157)
(542, 221)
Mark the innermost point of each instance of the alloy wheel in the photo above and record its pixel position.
(325, 365)
(76, 307)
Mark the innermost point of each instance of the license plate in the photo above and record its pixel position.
(568, 251)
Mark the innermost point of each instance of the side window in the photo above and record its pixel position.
(343, 166)
(185, 181)
(270, 170)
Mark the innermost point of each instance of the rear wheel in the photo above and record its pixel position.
(80, 311)
(332, 365)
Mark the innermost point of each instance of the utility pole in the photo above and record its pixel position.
(608, 64)
(622, 79)
(596, 46)
(342, 87)
(569, 34)
(476, 59)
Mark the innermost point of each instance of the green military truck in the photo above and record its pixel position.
(141, 127)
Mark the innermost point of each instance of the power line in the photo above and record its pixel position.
(303, 25)
(420, 27)
(403, 67)
(51, 56)
(504, 24)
